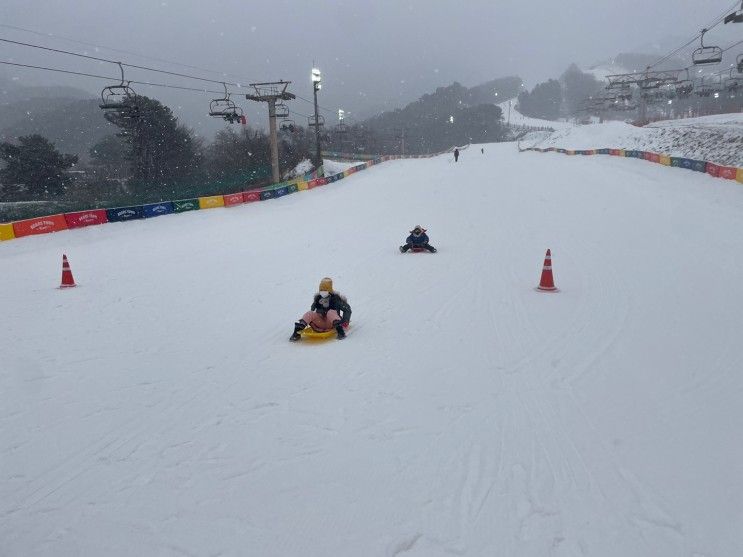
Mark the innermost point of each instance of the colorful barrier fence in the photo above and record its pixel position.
(711, 168)
(78, 219)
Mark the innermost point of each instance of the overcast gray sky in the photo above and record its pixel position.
(372, 54)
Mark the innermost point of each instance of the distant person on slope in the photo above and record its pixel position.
(417, 239)
(329, 310)
(456, 154)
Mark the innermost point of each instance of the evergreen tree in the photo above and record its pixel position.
(160, 150)
(237, 153)
(578, 86)
(34, 166)
(109, 157)
(543, 102)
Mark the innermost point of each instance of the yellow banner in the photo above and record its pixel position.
(6, 231)
(301, 186)
(211, 202)
(739, 175)
(665, 160)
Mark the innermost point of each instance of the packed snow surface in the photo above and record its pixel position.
(158, 408)
(716, 138)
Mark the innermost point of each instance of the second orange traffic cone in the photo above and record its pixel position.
(67, 279)
(547, 282)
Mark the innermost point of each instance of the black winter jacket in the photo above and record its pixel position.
(338, 302)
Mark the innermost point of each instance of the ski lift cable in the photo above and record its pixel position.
(318, 106)
(300, 114)
(108, 78)
(708, 28)
(101, 47)
(732, 45)
(135, 66)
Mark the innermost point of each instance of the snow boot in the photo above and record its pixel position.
(404, 248)
(298, 327)
(341, 331)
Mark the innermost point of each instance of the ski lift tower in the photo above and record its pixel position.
(270, 93)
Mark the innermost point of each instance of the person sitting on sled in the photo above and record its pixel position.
(417, 239)
(329, 310)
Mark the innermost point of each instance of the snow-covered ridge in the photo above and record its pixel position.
(717, 139)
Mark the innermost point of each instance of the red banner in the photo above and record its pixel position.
(233, 199)
(728, 172)
(250, 196)
(85, 218)
(39, 225)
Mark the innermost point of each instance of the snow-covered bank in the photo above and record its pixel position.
(158, 409)
(718, 139)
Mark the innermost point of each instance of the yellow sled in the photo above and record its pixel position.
(311, 334)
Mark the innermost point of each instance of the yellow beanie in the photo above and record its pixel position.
(326, 285)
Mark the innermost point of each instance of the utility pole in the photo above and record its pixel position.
(341, 129)
(269, 93)
(316, 86)
(401, 137)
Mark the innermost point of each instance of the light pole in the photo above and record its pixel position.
(316, 86)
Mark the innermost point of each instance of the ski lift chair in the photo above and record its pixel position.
(684, 87)
(739, 63)
(704, 90)
(735, 17)
(733, 83)
(288, 125)
(625, 93)
(706, 55)
(119, 100)
(282, 111)
(320, 121)
(223, 107)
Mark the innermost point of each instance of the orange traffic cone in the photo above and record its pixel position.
(67, 280)
(547, 283)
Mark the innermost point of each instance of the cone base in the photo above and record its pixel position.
(67, 285)
(541, 289)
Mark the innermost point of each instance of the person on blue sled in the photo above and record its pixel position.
(417, 241)
(329, 310)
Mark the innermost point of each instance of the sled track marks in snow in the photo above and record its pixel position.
(117, 445)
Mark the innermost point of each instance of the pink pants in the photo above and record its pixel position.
(319, 322)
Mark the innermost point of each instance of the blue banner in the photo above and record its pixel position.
(157, 209)
(121, 214)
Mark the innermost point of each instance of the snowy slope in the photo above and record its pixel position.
(158, 409)
(714, 138)
(519, 120)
